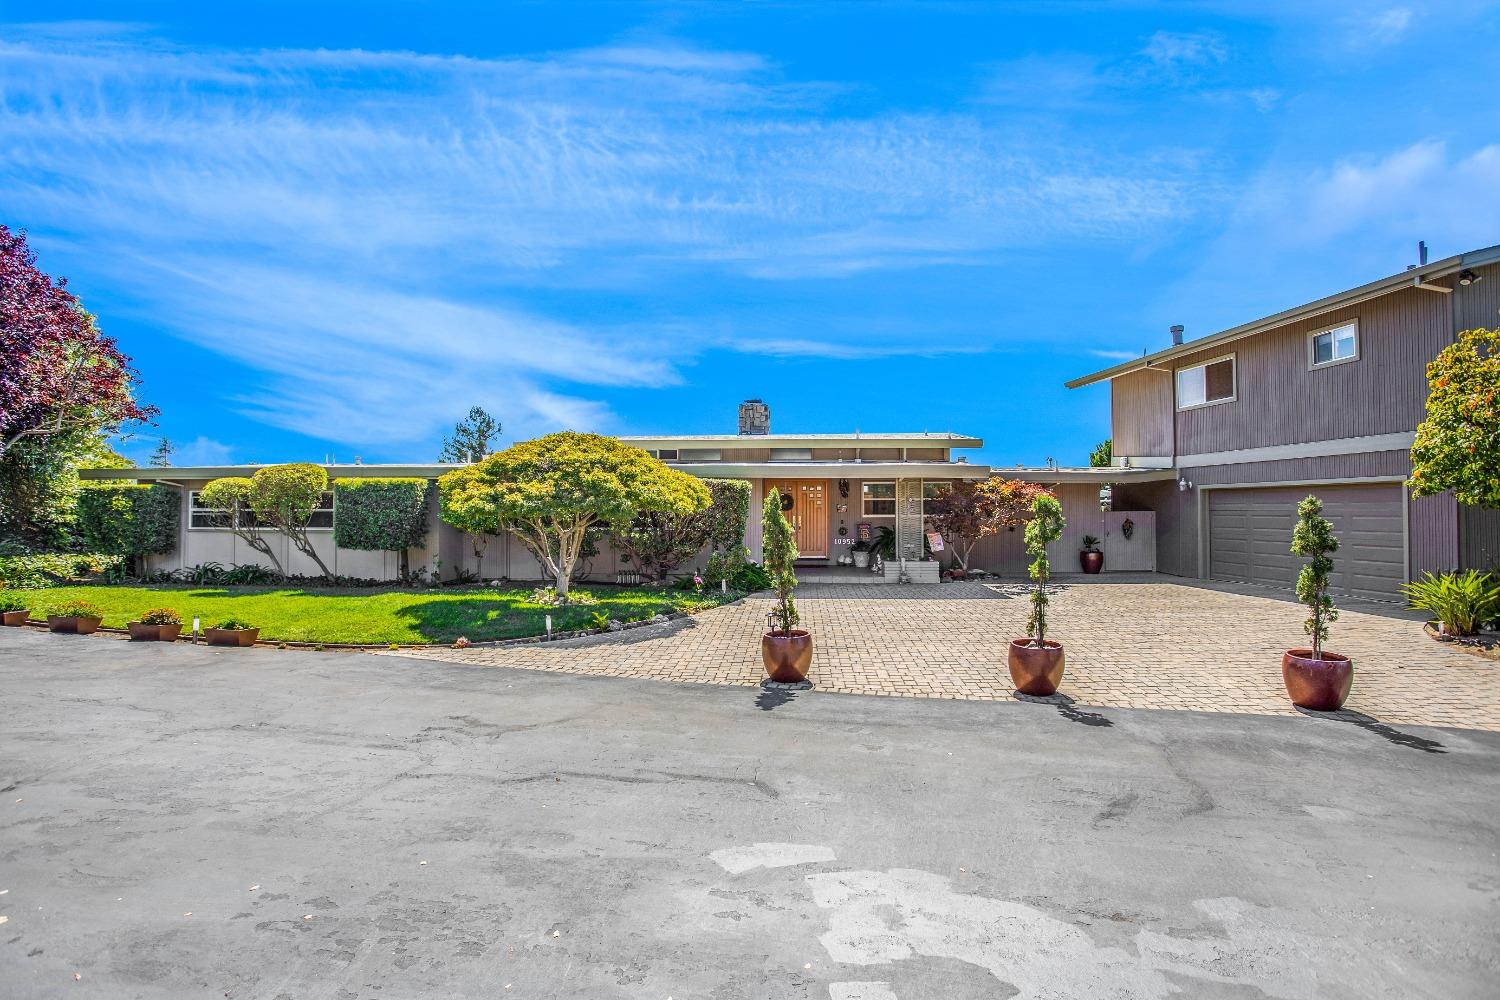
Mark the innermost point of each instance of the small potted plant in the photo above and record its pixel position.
(13, 609)
(156, 625)
(231, 632)
(785, 651)
(1036, 662)
(1091, 559)
(1316, 678)
(74, 616)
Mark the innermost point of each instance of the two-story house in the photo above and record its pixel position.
(1324, 399)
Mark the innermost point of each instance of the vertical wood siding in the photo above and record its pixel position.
(1141, 414)
(1279, 401)
(1432, 524)
(1478, 305)
(1479, 538)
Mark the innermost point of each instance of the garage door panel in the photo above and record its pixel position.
(1250, 537)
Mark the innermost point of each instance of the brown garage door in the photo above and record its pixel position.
(1250, 537)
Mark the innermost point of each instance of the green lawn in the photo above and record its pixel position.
(307, 614)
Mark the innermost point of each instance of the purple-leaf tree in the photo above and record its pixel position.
(57, 371)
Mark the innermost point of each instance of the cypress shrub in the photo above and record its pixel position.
(380, 515)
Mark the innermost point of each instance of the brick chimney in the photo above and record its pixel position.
(755, 417)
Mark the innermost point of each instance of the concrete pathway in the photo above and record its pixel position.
(177, 822)
(1142, 643)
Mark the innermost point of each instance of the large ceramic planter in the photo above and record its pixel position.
(1321, 685)
(231, 636)
(141, 632)
(861, 560)
(1033, 670)
(1091, 562)
(787, 657)
(74, 626)
(14, 617)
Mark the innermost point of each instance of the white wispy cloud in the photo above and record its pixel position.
(1176, 48)
(361, 228)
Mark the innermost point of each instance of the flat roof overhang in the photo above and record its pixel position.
(1098, 475)
(834, 470)
(157, 473)
(912, 440)
(1415, 277)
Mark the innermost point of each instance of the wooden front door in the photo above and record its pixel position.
(808, 513)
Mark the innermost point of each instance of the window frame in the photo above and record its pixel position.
(690, 455)
(193, 508)
(865, 499)
(1234, 391)
(1313, 364)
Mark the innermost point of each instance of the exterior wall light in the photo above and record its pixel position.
(1183, 485)
(1467, 277)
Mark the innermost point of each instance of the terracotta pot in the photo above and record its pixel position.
(1036, 671)
(958, 574)
(786, 657)
(153, 633)
(231, 636)
(1092, 562)
(76, 626)
(1321, 685)
(14, 617)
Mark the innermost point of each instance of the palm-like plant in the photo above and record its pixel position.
(1461, 601)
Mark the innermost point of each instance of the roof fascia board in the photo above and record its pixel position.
(1354, 296)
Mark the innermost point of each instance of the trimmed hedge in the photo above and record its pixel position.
(129, 519)
(380, 514)
(32, 572)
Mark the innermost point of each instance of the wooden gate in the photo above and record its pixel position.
(808, 513)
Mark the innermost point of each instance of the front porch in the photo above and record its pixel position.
(821, 573)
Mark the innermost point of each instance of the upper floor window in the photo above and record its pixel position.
(1205, 384)
(879, 499)
(699, 454)
(665, 454)
(1329, 347)
(791, 454)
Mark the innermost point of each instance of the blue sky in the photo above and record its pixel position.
(330, 229)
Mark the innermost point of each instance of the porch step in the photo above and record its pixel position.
(916, 572)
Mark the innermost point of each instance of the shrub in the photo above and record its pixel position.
(13, 602)
(75, 608)
(1313, 537)
(32, 572)
(750, 578)
(1462, 602)
(381, 515)
(1044, 528)
(780, 544)
(233, 625)
(161, 616)
(1458, 442)
(129, 519)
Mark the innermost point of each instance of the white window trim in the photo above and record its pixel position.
(1313, 365)
(1235, 379)
(195, 509)
(864, 511)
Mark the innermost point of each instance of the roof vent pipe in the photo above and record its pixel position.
(1177, 335)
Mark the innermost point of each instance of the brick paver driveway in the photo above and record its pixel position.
(1143, 642)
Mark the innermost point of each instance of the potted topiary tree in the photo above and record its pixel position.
(74, 616)
(1036, 663)
(785, 651)
(156, 625)
(1316, 678)
(13, 609)
(232, 632)
(1091, 560)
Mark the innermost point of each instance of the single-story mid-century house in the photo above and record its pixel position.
(839, 484)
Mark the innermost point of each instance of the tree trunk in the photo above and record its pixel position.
(306, 548)
(264, 548)
(403, 566)
(562, 585)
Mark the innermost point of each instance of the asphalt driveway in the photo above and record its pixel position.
(179, 822)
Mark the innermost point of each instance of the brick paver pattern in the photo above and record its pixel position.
(1150, 644)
